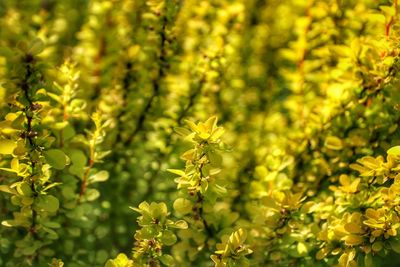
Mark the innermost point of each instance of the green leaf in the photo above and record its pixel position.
(220, 190)
(24, 189)
(368, 262)
(395, 244)
(55, 97)
(69, 132)
(147, 232)
(36, 46)
(47, 203)
(78, 162)
(56, 158)
(168, 238)
(51, 224)
(215, 158)
(7, 146)
(101, 176)
(6, 51)
(167, 260)
(27, 201)
(50, 186)
(29, 250)
(182, 131)
(92, 194)
(110, 263)
(204, 186)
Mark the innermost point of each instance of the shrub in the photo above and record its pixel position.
(106, 105)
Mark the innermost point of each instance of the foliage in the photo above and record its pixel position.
(111, 104)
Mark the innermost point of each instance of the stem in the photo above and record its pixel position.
(126, 82)
(200, 200)
(98, 68)
(30, 134)
(86, 173)
(392, 19)
(192, 99)
(156, 83)
(163, 155)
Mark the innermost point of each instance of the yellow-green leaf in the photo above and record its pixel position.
(7, 146)
(182, 206)
(168, 238)
(395, 151)
(353, 240)
(333, 142)
(101, 176)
